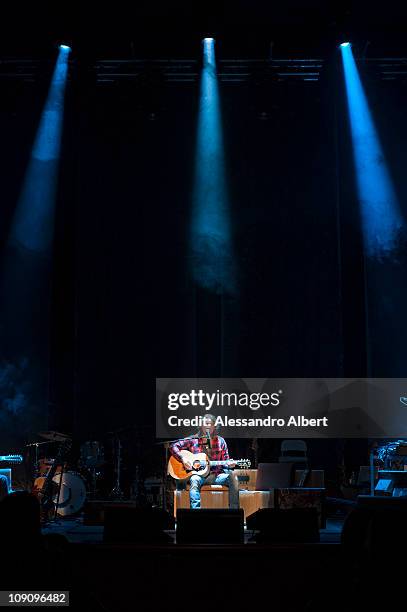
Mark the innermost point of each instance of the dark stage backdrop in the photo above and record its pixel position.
(25, 282)
(138, 314)
(124, 308)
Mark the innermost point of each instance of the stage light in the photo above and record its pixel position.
(379, 209)
(345, 44)
(25, 273)
(212, 258)
(65, 47)
(209, 58)
(33, 223)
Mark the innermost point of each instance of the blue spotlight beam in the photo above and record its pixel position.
(25, 277)
(211, 242)
(382, 222)
(33, 221)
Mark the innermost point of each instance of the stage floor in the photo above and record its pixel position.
(77, 533)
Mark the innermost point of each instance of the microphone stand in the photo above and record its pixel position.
(208, 444)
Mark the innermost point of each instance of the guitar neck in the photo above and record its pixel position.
(11, 458)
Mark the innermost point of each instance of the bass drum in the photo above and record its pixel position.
(72, 495)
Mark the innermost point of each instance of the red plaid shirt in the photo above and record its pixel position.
(219, 450)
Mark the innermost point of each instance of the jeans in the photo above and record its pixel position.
(224, 478)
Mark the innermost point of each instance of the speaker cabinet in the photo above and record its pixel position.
(285, 526)
(210, 526)
(126, 524)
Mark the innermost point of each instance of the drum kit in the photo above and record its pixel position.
(61, 487)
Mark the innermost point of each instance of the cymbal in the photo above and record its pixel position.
(54, 436)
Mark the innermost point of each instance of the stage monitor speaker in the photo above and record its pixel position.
(285, 526)
(210, 526)
(376, 526)
(380, 502)
(126, 524)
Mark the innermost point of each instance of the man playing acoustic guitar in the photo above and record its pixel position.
(207, 441)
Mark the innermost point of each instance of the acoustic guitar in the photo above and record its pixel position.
(44, 486)
(201, 465)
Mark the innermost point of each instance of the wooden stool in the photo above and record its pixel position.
(212, 496)
(251, 501)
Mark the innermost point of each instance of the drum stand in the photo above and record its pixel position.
(35, 471)
(116, 492)
(93, 483)
(56, 503)
(59, 492)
